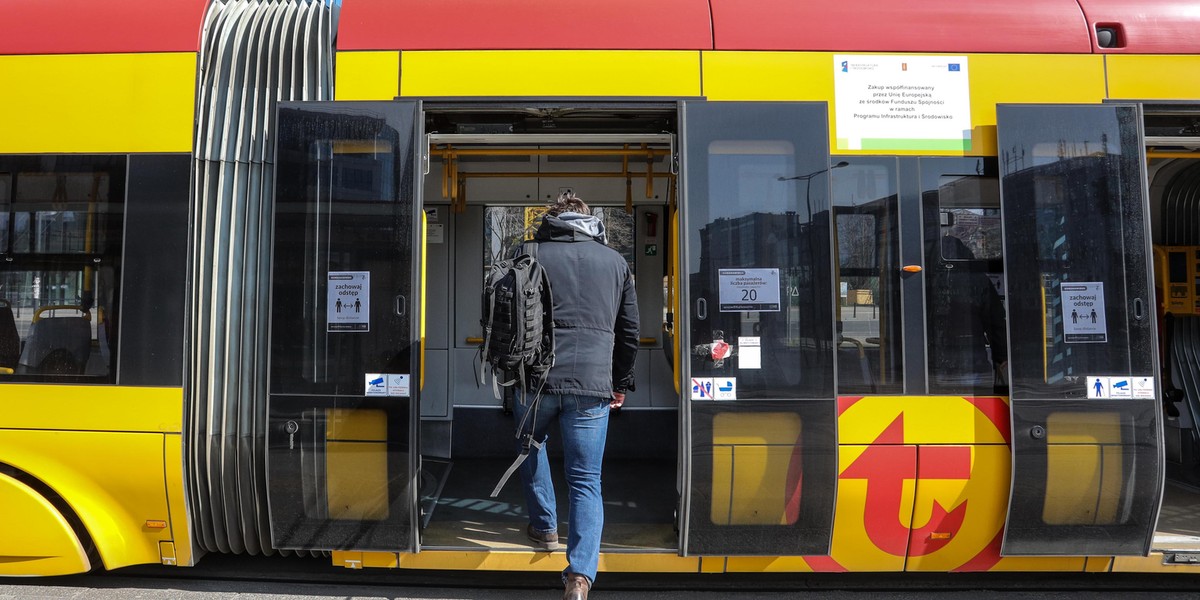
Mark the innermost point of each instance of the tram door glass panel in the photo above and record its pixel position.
(61, 227)
(1087, 472)
(344, 349)
(964, 293)
(865, 193)
(760, 299)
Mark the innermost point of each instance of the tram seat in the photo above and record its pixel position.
(10, 339)
(57, 346)
(855, 366)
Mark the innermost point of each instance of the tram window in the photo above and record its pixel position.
(969, 210)
(967, 335)
(62, 223)
(506, 226)
(870, 357)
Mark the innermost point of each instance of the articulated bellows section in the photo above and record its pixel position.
(254, 53)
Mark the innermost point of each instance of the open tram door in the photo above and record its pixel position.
(1088, 472)
(758, 414)
(345, 338)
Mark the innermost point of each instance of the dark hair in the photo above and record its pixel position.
(568, 202)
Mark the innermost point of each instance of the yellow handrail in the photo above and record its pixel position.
(37, 314)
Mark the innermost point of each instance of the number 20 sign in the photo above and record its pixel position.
(748, 290)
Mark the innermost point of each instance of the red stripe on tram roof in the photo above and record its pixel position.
(528, 24)
(91, 27)
(908, 26)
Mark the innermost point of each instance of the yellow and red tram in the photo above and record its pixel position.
(918, 279)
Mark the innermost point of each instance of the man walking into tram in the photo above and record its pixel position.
(595, 342)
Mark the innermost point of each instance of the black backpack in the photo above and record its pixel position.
(518, 321)
(518, 335)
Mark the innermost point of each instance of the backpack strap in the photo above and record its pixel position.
(516, 464)
(547, 360)
(527, 441)
(487, 338)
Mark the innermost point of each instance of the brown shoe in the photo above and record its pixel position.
(547, 541)
(577, 587)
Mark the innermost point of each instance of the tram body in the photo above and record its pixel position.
(194, 194)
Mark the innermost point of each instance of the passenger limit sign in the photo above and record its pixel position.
(748, 290)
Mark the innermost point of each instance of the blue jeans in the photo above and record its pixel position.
(583, 421)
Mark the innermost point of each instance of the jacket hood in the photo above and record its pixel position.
(572, 227)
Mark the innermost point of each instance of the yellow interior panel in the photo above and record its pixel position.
(367, 75)
(356, 464)
(36, 539)
(756, 429)
(1111, 468)
(356, 480)
(1153, 77)
(722, 476)
(92, 407)
(114, 481)
(758, 493)
(550, 73)
(1085, 467)
(355, 424)
(1072, 484)
(1083, 428)
(103, 103)
(753, 457)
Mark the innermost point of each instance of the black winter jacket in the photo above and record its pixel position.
(595, 308)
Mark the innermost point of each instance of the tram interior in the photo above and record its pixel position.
(491, 177)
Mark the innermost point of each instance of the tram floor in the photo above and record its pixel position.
(458, 514)
(1179, 520)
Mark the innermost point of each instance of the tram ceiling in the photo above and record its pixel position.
(634, 155)
(584, 118)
